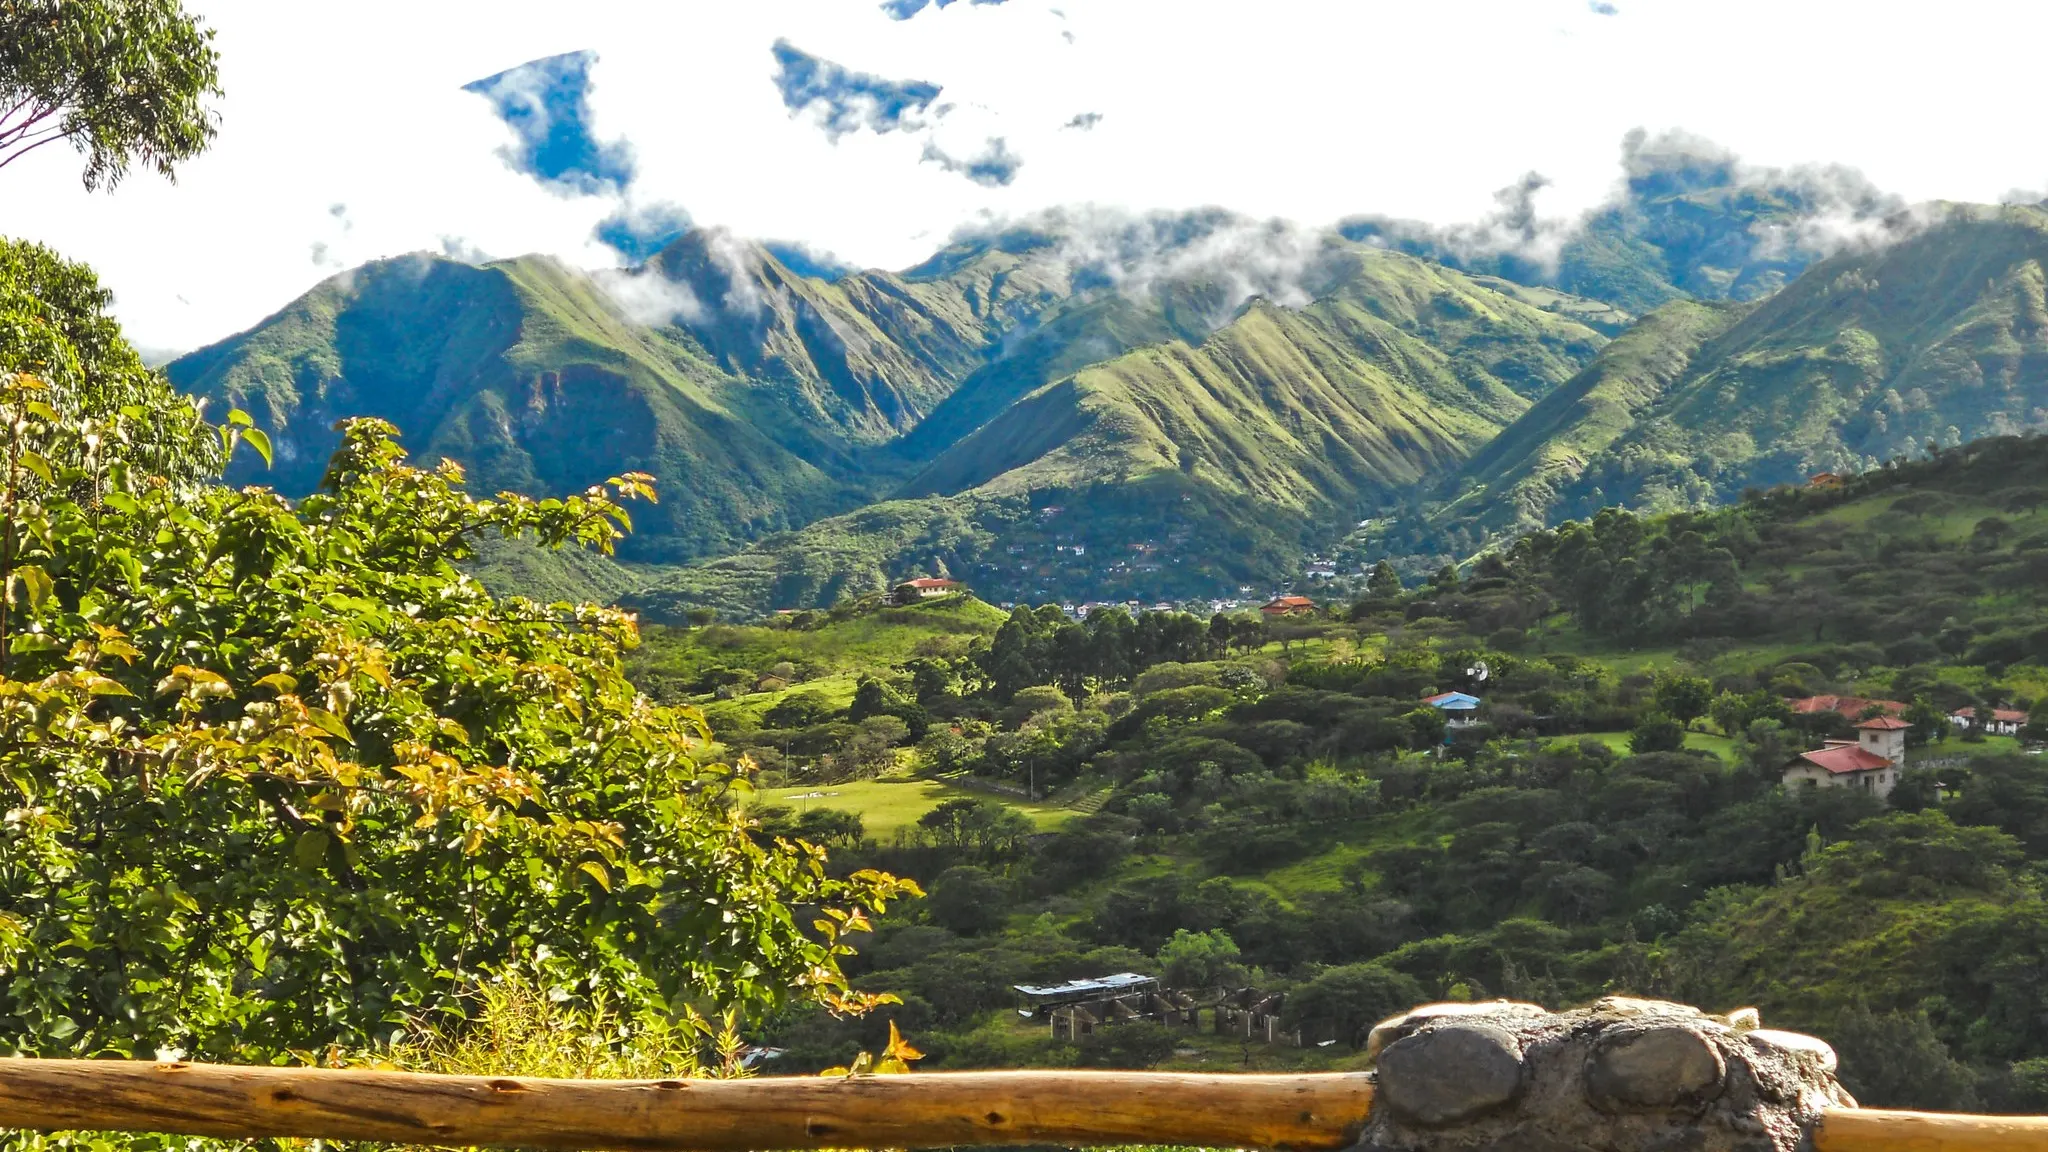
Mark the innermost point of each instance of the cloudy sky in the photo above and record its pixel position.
(872, 130)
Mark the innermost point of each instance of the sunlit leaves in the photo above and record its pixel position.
(371, 781)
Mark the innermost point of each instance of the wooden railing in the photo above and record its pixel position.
(1321, 1112)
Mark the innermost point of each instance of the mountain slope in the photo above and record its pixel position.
(528, 374)
(870, 352)
(1940, 335)
(1180, 468)
(1512, 483)
(1396, 375)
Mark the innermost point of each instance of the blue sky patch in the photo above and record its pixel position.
(905, 9)
(993, 167)
(546, 102)
(637, 232)
(848, 100)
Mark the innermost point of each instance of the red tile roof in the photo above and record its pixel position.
(2000, 715)
(1885, 723)
(1850, 706)
(1845, 758)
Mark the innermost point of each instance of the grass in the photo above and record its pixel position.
(1953, 747)
(876, 638)
(887, 805)
(1720, 746)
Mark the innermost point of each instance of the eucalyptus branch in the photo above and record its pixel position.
(18, 153)
(9, 499)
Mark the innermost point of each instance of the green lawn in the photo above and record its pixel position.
(1720, 746)
(886, 805)
(877, 638)
(1954, 746)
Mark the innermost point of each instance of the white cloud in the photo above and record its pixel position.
(1296, 109)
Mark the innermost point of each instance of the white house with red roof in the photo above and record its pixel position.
(1871, 762)
(1999, 721)
(924, 588)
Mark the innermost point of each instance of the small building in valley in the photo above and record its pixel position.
(1871, 762)
(1996, 721)
(1288, 606)
(1460, 709)
(924, 588)
(1078, 1007)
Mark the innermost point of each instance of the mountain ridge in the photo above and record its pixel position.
(1208, 397)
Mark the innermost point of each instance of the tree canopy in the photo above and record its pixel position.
(122, 80)
(284, 776)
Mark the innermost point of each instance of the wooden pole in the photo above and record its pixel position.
(1880, 1130)
(1310, 1113)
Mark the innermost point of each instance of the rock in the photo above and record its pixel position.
(1626, 1075)
(1450, 1071)
(1394, 1027)
(1630, 1006)
(1654, 1066)
(1745, 1019)
(1796, 1044)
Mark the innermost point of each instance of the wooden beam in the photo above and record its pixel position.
(1881, 1130)
(1312, 1113)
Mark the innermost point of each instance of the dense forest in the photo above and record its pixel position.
(1267, 802)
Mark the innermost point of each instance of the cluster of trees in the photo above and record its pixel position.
(1516, 857)
(1940, 563)
(280, 776)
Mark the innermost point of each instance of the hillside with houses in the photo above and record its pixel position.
(1233, 837)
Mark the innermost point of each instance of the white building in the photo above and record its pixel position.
(1871, 762)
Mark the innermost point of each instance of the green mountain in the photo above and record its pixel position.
(1514, 482)
(760, 399)
(1172, 406)
(1938, 336)
(1180, 468)
(532, 377)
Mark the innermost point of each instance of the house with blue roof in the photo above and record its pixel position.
(1460, 709)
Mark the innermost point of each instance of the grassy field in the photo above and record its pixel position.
(886, 805)
(873, 639)
(1720, 746)
(1951, 748)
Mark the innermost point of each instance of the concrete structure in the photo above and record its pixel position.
(1872, 761)
(1078, 1007)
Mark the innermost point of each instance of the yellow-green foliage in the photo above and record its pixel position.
(516, 1027)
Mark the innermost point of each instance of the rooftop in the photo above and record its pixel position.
(1884, 723)
(1998, 715)
(1081, 988)
(1457, 701)
(1850, 706)
(1843, 758)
